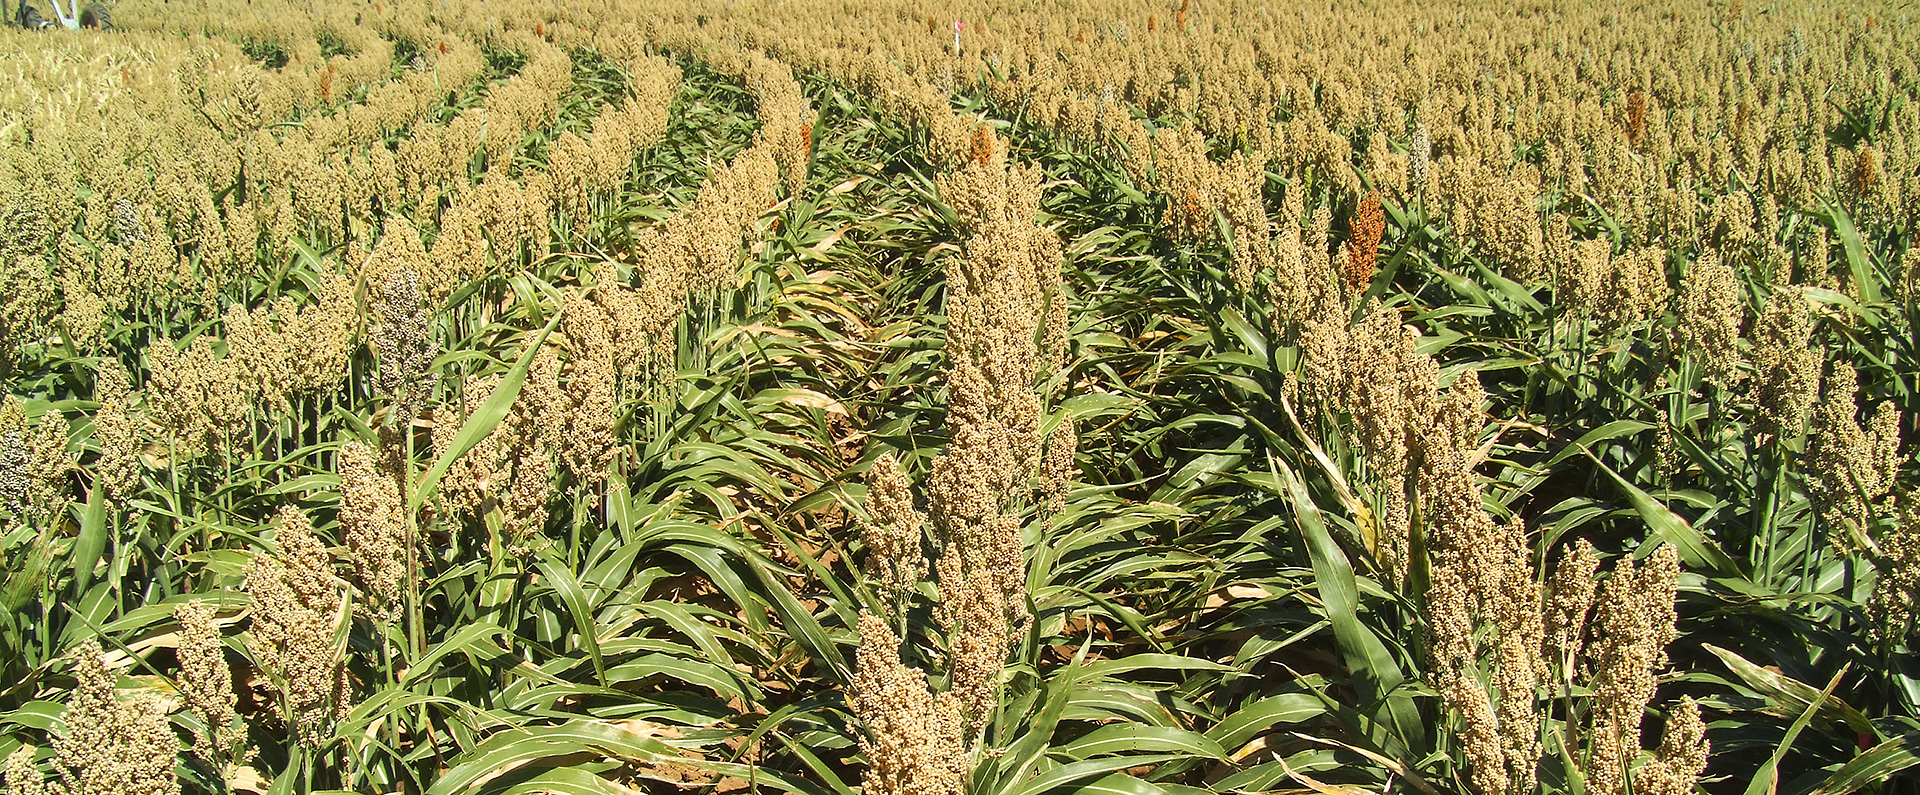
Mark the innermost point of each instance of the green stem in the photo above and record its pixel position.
(415, 631)
(1769, 507)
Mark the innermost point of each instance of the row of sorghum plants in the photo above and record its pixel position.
(1005, 329)
(376, 322)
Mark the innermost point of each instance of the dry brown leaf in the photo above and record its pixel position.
(246, 779)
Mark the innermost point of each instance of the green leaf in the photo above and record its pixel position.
(562, 581)
(36, 715)
(1250, 337)
(27, 579)
(1766, 781)
(475, 640)
(1607, 432)
(1099, 704)
(1132, 739)
(1698, 551)
(700, 632)
(813, 762)
(1875, 766)
(1030, 743)
(721, 680)
(1366, 657)
(1251, 720)
(91, 544)
(488, 416)
(1079, 771)
(1137, 662)
(283, 783)
(1121, 784)
(1857, 260)
(565, 781)
(799, 622)
(1791, 695)
(517, 748)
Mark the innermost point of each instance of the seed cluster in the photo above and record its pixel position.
(586, 434)
(111, 745)
(1786, 364)
(1895, 592)
(20, 776)
(1570, 593)
(513, 469)
(1306, 300)
(532, 433)
(222, 202)
(1496, 636)
(196, 396)
(284, 349)
(697, 250)
(1482, 577)
(1851, 468)
(916, 741)
(997, 297)
(1614, 292)
(403, 340)
(1497, 211)
(297, 610)
(1908, 283)
(116, 429)
(1634, 618)
(34, 463)
(1711, 312)
(1363, 247)
(469, 482)
(1057, 468)
(1676, 768)
(1388, 397)
(373, 518)
(206, 684)
(1005, 320)
(893, 531)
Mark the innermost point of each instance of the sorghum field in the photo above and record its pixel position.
(1129, 397)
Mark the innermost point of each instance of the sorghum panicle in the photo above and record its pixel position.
(1675, 769)
(916, 740)
(1363, 247)
(1786, 364)
(1898, 587)
(1711, 313)
(373, 517)
(116, 430)
(586, 446)
(112, 746)
(34, 463)
(1850, 468)
(297, 608)
(1058, 468)
(1569, 604)
(206, 682)
(893, 531)
(1634, 623)
(403, 340)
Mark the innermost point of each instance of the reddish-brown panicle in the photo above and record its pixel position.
(1363, 249)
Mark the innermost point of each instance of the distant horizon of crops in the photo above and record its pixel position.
(1152, 398)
